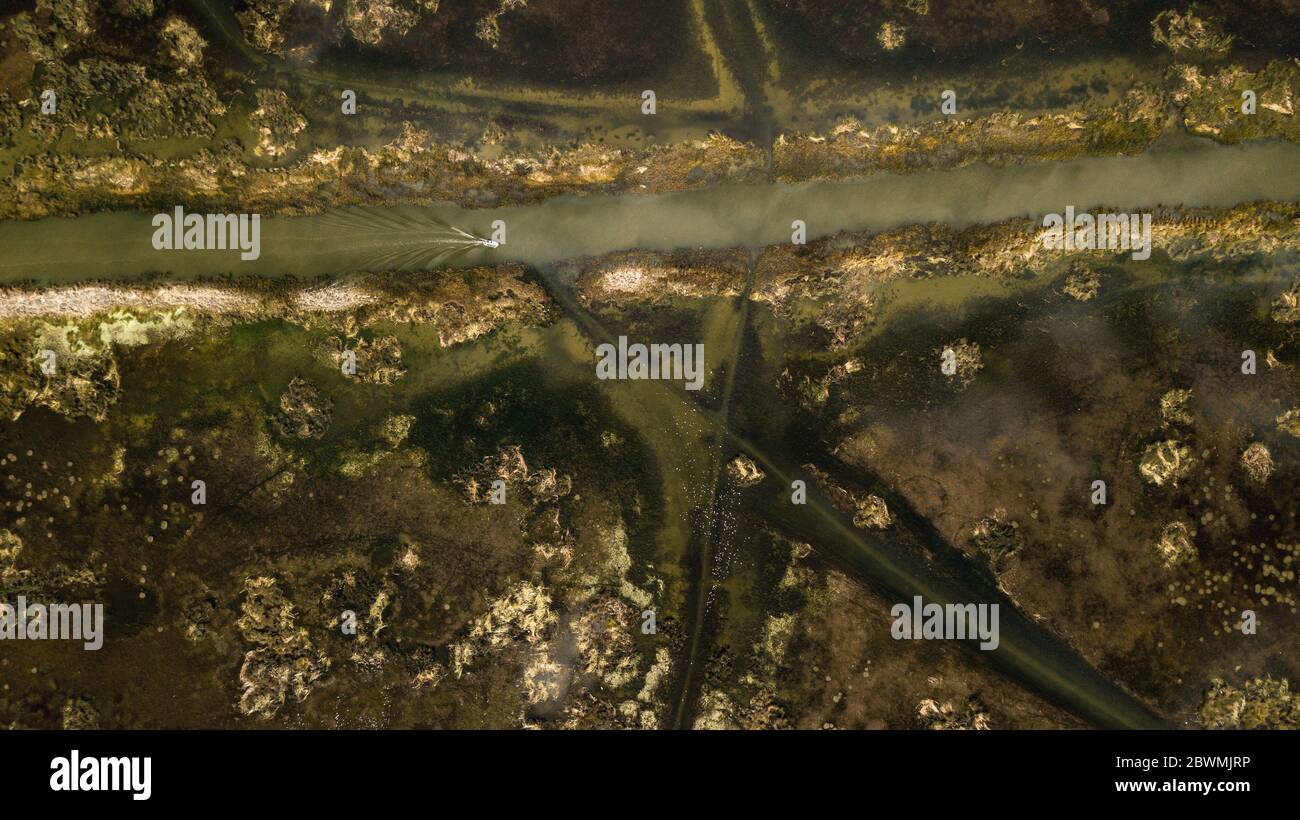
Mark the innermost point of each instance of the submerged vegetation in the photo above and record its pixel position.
(465, 379)
(400, 497)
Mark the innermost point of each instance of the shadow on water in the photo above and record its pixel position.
(893, 564)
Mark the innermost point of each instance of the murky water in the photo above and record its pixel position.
(1182, 171)
(659, 448)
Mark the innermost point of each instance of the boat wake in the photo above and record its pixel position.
(406, 240)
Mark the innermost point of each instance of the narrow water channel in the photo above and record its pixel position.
(1183, 171)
